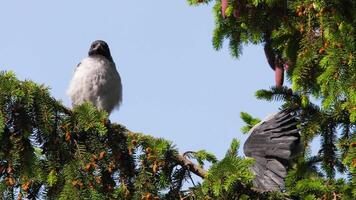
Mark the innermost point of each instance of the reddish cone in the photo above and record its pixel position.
(224, 4)
(279, 75)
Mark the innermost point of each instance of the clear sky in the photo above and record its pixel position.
(176, 86)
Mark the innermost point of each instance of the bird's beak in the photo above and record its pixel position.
(96, 47)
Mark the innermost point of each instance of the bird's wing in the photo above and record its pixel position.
(272, 143)
(79, 64)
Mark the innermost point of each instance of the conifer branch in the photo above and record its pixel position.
(189, 165)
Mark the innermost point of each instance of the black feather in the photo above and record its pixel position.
(272, 143)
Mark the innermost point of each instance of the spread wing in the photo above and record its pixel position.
(272, 143)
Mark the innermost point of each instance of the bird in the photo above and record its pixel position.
(273, 143)
(96, 79)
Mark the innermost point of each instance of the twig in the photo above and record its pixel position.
(188, 164)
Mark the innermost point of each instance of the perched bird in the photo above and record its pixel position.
(273, 143)
(96, 79)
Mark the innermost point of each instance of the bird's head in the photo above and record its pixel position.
(100, 47)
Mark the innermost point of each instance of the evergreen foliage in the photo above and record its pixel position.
(316, 41)
(50, 152)
(227, 175)
(315, 38)
(249, 120)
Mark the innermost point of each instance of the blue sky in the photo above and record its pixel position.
(176, 86)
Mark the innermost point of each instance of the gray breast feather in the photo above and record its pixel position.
(272, 143)
(96, 80)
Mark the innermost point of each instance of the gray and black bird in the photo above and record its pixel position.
(96, 79)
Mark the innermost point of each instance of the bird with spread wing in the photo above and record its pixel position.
(273, 143)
